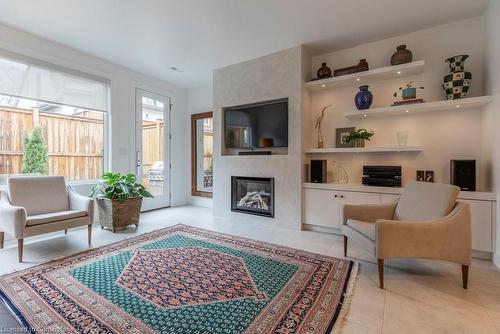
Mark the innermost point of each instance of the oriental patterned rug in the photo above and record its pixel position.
(183, 280)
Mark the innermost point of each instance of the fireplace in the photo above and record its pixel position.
(252, 195)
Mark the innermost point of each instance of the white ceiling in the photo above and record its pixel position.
(197, 36)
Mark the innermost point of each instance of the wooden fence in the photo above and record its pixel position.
(152, 143)
(75, 143)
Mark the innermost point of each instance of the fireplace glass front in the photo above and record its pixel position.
(252, 195)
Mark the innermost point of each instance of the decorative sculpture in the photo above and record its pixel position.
(318, 126)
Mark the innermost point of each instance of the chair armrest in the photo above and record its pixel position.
(369, 212)
(447, 238)
(81, 203)
(12, 218)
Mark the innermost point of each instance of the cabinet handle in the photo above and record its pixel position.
(336, 196)
(341, 196)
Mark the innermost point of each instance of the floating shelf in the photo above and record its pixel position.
(365, 149)
(362, 78)
(462, 104)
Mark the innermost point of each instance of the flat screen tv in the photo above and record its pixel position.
(259, 125)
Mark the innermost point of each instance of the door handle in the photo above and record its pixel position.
(138, 158)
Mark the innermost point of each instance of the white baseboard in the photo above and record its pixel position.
(496, 260)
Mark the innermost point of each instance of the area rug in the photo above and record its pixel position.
(182, 280)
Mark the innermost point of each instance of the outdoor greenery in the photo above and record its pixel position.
(118, 186)
(35, 156)
(359, 135)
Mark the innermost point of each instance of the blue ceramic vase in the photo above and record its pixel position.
(363, 98)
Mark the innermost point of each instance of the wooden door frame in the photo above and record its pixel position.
(194, 176)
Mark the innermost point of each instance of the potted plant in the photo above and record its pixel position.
(119, 200)
(408, 92)
(359, 137)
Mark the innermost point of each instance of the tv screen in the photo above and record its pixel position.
(260, 125)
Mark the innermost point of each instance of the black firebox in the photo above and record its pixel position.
(252, 195)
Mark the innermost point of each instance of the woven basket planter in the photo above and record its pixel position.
(114, 214)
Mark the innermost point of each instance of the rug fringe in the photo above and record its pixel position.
(346, 304)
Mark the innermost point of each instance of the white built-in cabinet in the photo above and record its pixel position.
(323, 208)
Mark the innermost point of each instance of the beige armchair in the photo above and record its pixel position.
(36, 205)
(426, 222)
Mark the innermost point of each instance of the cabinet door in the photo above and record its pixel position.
(321, 208)
(481, 224)
(388, 198)
(351, 197)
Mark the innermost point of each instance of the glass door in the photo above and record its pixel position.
(153, 147)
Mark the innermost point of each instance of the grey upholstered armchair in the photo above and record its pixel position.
(426, 222)
(36, 205)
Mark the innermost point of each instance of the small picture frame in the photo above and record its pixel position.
(341, 134)
(429, 176)
(420, 176)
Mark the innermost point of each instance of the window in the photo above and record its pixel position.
(202, 150)
(51, 122)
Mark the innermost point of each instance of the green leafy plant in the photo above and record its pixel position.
(359, 134)
(35, 156)
(408, 86)
(118, 186)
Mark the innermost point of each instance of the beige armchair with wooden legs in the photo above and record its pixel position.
(34, 205)
(425, 223)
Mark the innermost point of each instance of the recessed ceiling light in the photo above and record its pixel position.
(364, 115)
(357, 79)
(458, 106)
(176, 69)
(399, 72)
(323, 85)
(407, 110)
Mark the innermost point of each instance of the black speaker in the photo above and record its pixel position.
(318, 171)
(463, 174)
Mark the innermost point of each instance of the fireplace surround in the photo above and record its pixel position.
(252, 195)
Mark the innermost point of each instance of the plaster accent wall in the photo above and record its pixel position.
(275, 76)
(453, 134)
(122, 114)
(492, 83)
(199, 100)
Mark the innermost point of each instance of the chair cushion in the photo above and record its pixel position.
(366, 229)
(53, 217)
(426, 201)
(38, 194)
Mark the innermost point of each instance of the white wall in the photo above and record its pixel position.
(492, 85)
(275, 76)
(199, 100)
(122, 115)
(444, 136)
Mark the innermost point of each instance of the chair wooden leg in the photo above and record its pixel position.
(381, 272)
(20, 244)
(66, 231)
(2, 239)
(465, 276)
(345, 246)
(89, 227)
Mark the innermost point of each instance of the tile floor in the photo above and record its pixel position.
(420, 296)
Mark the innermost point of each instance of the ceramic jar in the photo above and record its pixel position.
(362, 66)
(324, 71)
(363, 98)
(401, 56)
(456, 84)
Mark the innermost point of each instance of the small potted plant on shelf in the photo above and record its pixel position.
(408, 94)
(359, 137)
(119, 200)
